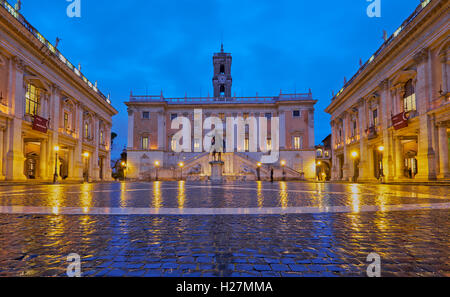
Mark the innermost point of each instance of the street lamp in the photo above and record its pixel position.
(55, 175)
(283, 164)
(124, 168)
(258, 170)
(157, 166)
(181, 165)
(354, 154)
(381, 148)
(86, 164)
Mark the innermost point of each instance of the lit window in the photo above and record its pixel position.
(221, 116)
(298, 145)
(86, 130)
(66, 121)
(145, 143)
(246, 114)
(196, 144)
(32, 101)
(269, 144)
(409, 99)
(173, 144)
(375, 117)
(296, 113)
(246, 145)
(146, 115)
(101, 137)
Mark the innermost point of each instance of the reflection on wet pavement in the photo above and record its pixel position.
(412, 241)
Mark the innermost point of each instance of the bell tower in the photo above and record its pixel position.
(222, 80)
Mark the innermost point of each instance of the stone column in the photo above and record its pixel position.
(386, 112)
(107, 163)
(43, 161)
(55, 100)
(445, 72)
(311, 138)
(426, 153)
(443, 152)
(95, 167)
(347, 160)
(130, 144)
(2, 143)
(15, 156)
(78, 149)
(334, 166)
(364, 166)
(282, 115)
(161, 131)
(399, 160)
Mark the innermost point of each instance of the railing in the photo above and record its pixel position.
(212, 100)
(404, 25)
(53, 51)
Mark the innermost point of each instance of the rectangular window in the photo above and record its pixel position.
(66, 121)
(296, 113)
(32, 100)
(221, 116)
(196, 144)
(268, 115)
(173, 116)
(246, 114)
(269, 144)
(146, 115)
(410, 103)
(246, 145)
(173, 144)
(86, 130)
(375, 117)
(101, 138)
(145, 143)
(298, 142)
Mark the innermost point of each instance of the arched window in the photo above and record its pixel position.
(222, 69)
(222, 90)
(409, 99)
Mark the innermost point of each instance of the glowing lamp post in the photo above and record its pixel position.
(181, 165)
(86, 158)
(283, 164)
(258, 170)
(156, 166)
(55, 175)
(124, 166)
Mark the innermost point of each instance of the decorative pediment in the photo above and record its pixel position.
(403, 77)
(37, 81)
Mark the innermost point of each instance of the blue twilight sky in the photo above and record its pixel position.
(149, 45)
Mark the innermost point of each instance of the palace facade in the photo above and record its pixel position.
(391, 121)
(151, 151)
(54, 123)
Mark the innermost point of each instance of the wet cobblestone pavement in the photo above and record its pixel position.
(411, 242)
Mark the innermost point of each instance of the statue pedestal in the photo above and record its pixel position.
(216, 171)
